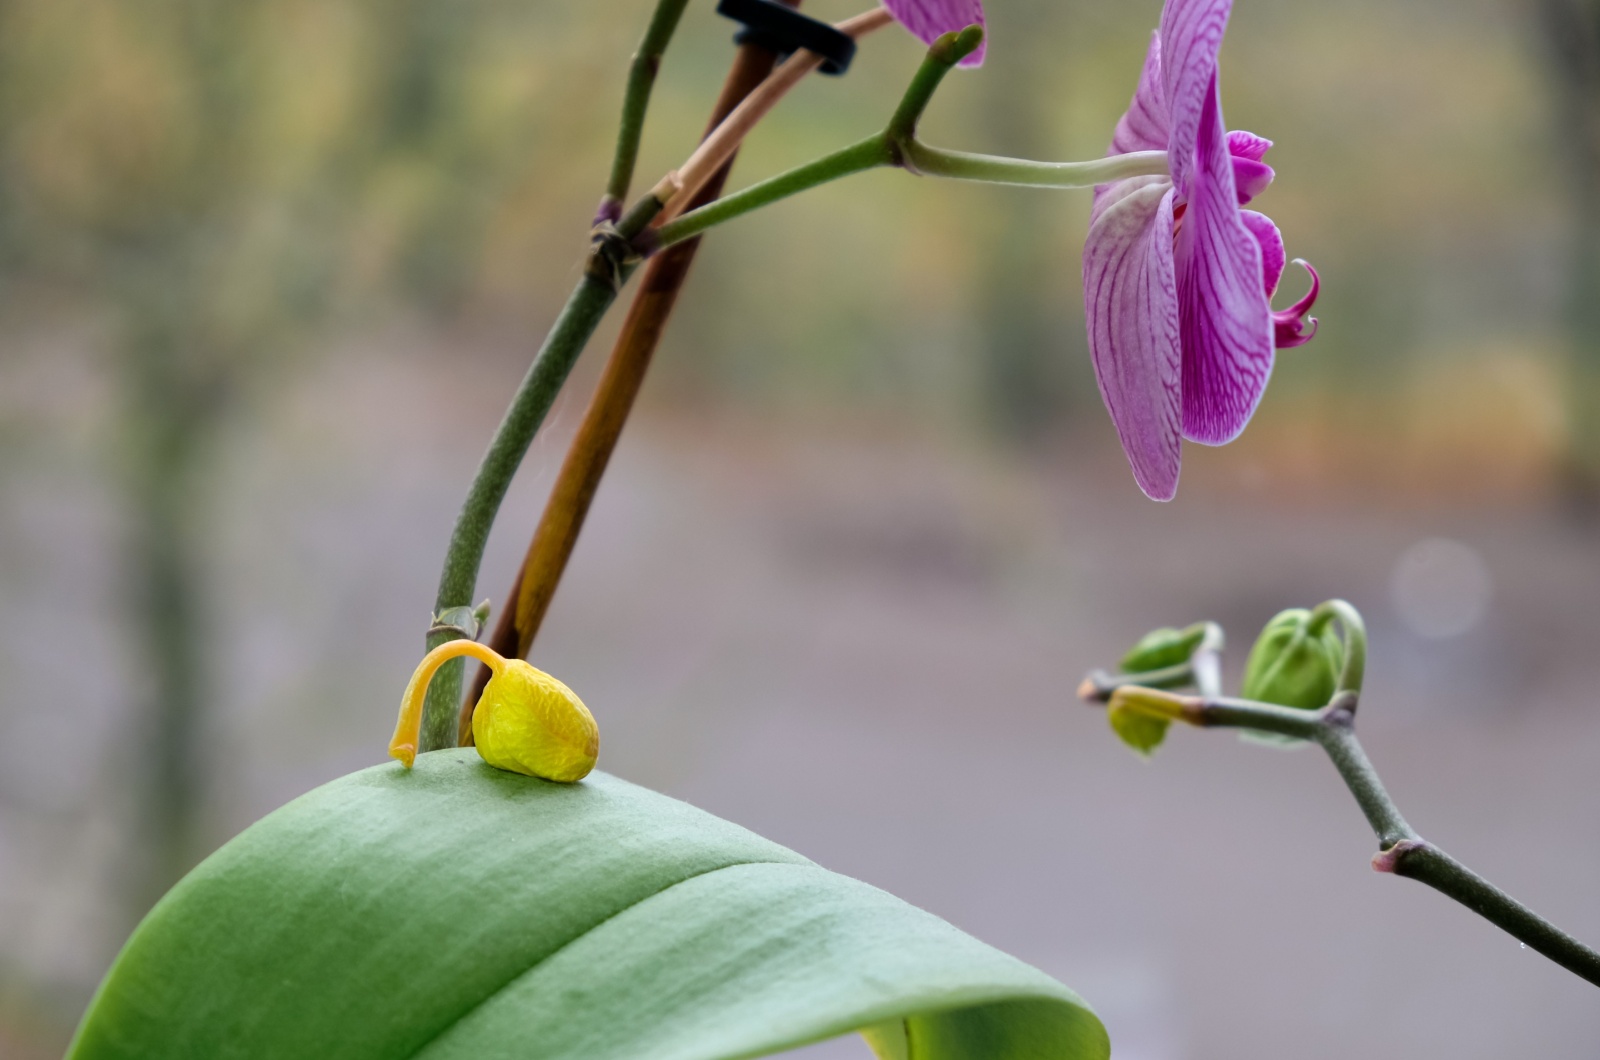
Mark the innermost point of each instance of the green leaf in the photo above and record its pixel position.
(457, 910)
(1139, 731)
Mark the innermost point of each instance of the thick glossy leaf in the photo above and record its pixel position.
(460, 911)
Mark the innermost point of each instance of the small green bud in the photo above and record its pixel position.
(1141, 732)
(1292, 664)
(1162, 648)
(1140, 716)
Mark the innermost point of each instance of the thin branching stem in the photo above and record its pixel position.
(1401, 850)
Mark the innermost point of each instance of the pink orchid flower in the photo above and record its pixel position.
(928, 20)
(1177, 279)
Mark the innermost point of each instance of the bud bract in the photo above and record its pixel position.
(1293, 664)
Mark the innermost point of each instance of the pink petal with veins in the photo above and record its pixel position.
(1272, 256)
(928, 20)
(1144, 127)
(1226, 321)
(1130, 297)
(1191, 34)
(1250, 178)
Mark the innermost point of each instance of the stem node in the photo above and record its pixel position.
(1388, 859)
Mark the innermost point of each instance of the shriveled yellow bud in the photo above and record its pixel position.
(526, 722)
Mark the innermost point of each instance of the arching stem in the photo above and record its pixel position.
(408, 728)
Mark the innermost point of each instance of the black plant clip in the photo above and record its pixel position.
(785, 31)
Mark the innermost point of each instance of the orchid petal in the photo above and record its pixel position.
(1226, 321)
(1145, 126)
(1130, 297)
(1191, 35)
(1272, 255)
(1243, 144)
(1250, 178)
(1289, 330)
(928, 20)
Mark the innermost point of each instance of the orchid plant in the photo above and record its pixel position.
(474, 902)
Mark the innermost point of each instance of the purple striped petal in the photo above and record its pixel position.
(928, 20)
(1130, 297)
(1145, 126)
(1250, 178)
(1272, 255)
(1226, 321)
(1191, 35)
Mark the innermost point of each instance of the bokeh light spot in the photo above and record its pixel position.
(1440, 587)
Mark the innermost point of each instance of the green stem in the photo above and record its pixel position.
(1432, 866)
(857, 158)
(992, 169)
(1225, 713)
(943, 54)
(1099, 685)
(1338, 739)
(578, 320)
(636, 100)
(1401, 850)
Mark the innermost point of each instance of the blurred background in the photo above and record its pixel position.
(270, 269)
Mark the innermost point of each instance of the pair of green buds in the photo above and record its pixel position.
(1304, 659)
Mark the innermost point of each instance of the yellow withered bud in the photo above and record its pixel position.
(527, 721)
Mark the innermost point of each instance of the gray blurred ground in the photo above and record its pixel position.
(861, 643)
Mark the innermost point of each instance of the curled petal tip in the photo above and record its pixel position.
(1243, 144)
(1290, 326)
(1295, 333)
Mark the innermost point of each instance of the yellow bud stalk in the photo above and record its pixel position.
(1152, 703)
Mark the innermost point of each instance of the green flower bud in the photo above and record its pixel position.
(1293, 665)
(1162, 648)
